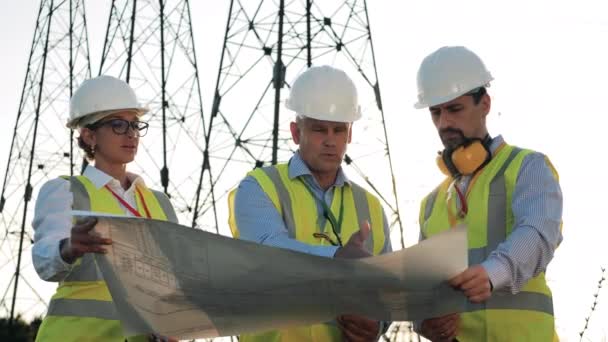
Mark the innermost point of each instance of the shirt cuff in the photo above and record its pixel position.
(325, 251)
(499, 274)
(61, 264)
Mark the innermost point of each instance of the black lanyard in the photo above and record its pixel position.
(336, 225)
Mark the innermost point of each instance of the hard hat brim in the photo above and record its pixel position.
(94, 117)
(444, 99)
(325, 117)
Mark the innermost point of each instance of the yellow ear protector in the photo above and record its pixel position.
(465, 159)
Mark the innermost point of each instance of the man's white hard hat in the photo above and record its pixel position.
(448, 73)
(324, 93)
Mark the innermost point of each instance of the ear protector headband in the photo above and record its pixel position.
(465, 159)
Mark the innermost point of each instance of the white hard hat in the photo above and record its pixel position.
(448, 73)
(101, 95)
(324, 93)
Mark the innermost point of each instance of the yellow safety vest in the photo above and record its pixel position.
(299, 211)
(526, 316)
(82, 308)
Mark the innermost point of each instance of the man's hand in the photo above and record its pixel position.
(474, 282)
(442, 328)
(354, 247)
(82, 240)
(358, 328)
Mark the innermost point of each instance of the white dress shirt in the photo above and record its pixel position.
(53, 219)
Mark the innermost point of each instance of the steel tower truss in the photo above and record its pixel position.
(150, 45)
(267, 44)
(41, 147)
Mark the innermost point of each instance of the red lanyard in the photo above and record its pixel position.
(464, 208)
(128, 206)
(461, 212)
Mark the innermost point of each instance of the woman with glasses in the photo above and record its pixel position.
(106, 113)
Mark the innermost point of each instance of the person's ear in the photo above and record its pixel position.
(295, 132)
(88, 136)
(486, 103)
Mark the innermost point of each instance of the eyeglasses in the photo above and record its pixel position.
(121, 126)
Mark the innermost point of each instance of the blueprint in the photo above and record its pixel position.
(187, 283)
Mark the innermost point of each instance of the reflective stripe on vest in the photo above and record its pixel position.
(284, 199)
(533, 301)
(362, 208)
(75, 307)
(497, 206)
(165, 205)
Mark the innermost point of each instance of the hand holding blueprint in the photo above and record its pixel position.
(187, 283)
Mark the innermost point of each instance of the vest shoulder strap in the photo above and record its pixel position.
(81, 200)
(165, 205)
(269, 180)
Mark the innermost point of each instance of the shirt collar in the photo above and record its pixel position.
(298, 167)
(496, 142)
(100, 178)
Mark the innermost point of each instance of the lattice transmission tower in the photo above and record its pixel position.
(150, 44)
(41, 147)
(266, 45)
(147, 43)
(193, 158)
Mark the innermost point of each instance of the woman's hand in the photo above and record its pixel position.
(83, 240)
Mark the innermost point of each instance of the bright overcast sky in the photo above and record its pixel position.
(549, 60)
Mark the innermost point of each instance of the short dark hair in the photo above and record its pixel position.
(477, 94)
